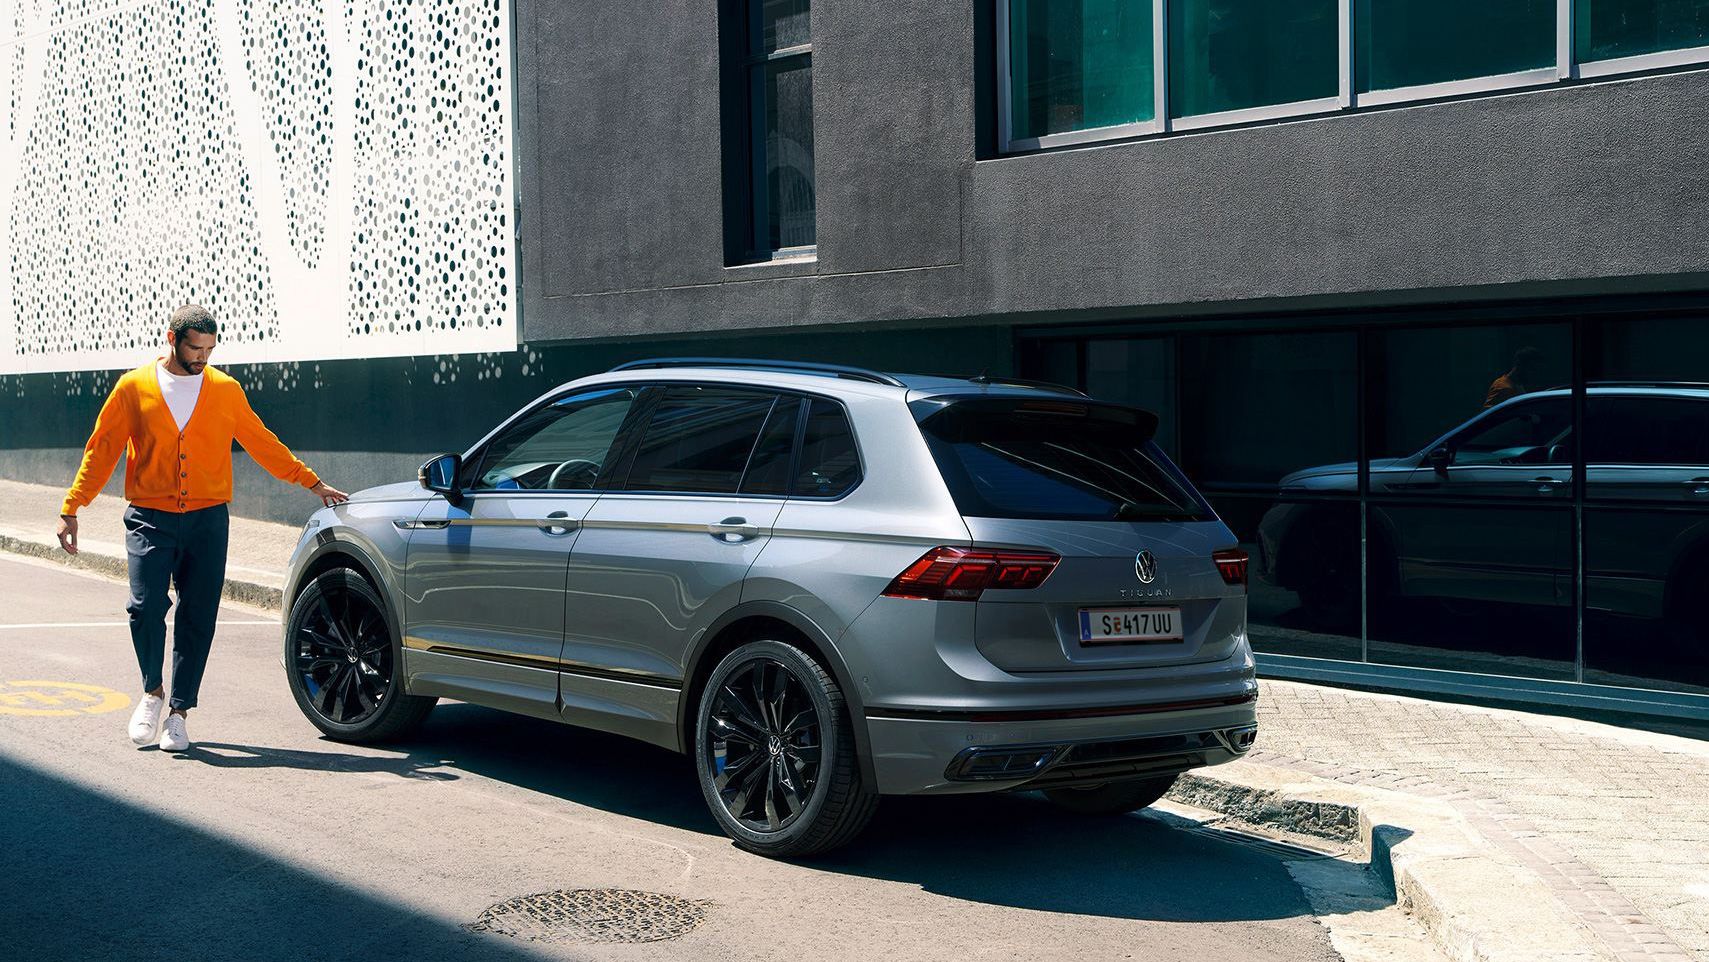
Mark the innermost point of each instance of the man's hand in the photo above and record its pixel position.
(328, 495)
(68, 533)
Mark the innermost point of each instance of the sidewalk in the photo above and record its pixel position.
(1605, 827)
(29, 514)
(1509, 835)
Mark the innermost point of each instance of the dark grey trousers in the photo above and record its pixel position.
(188, 550)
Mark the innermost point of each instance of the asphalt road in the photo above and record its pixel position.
(266, 841)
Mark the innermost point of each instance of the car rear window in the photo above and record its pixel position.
(1055, 460)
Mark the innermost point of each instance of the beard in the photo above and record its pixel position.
(194, 367)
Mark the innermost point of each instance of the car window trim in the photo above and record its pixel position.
(626, 444)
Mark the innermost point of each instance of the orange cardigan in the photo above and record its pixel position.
(175, 470)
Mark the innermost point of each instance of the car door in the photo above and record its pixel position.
(665, 550)
(1647, 447)
(484, 578)
(1520, 452)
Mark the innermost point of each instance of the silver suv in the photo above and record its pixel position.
(826, 584)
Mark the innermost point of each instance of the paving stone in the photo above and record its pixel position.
(1614, 815)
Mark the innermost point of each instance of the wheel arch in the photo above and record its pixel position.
(333, 552)
(751, 621)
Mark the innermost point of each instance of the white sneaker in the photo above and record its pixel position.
(174, 738)
(145, 721)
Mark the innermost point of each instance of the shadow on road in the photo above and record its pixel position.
(228, 755)
(1011, 850)
(88, 876)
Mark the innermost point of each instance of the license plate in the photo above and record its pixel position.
(1108, 626)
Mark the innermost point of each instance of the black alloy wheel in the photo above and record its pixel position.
(344, 655)
(764, 745)
(774, 750)
(342, 661)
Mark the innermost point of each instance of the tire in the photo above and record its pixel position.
(351, 692)
(762, 710)
(1111, 798)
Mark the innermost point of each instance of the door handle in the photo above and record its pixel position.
(1547, 485)
(734, 530)
(1699, 487)
(550, 528)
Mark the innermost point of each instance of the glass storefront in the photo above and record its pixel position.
(1516, 498)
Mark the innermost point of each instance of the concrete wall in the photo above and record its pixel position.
(1599, 187)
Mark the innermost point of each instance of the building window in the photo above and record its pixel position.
(1078, 65)
(1228, 55)
(1611, 29)
(769, 129)
(1413, 43)
(1526, 499)
(1082, 71)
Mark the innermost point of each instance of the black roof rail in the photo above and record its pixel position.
(785, 367)
(1026, 382)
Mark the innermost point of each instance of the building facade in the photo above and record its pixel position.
(1419, 289)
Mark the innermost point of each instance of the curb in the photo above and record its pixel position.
(116, 566)
(1476, 903)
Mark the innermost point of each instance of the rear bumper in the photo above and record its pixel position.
(943, 755)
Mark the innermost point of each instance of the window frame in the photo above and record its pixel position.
(1006, 105)
(746, 66)
(1565, 70)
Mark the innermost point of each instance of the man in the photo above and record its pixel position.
(175, 418)
(1517, 380)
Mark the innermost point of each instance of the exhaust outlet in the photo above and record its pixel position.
(1239, 740)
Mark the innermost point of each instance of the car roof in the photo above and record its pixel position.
(1675, 389)
(822, 378)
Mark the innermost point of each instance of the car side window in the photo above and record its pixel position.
(830, 462)
(562, 446)
(699, 440)
(1646, 430)
(1533, 433)
(768, 468)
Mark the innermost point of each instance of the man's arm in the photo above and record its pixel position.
(100, 455)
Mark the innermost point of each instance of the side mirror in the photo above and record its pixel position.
(1439, 460)
(440, 475)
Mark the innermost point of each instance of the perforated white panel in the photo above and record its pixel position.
(331, 178)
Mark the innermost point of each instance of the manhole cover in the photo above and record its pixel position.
(593, 915)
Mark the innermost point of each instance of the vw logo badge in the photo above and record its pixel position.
(1145, 566)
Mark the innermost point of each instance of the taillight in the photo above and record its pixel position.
(1231, 564)
(960, 574)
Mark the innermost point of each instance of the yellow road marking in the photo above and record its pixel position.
(58, 699)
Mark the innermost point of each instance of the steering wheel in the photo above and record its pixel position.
(570, 466)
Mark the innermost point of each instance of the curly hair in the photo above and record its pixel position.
(192, 317)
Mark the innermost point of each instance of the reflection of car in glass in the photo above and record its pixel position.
(824, 584)
(1643, 442)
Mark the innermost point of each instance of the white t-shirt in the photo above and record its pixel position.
(180, 392)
